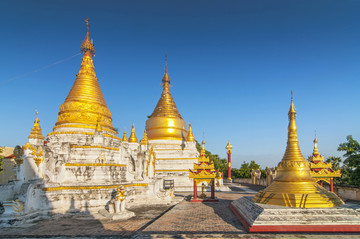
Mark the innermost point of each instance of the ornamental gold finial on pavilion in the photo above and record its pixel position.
(320, 170)
(36, 129)
(166, 122)
(85, 104)
(294, 186)
(190, 137)
(132, 138)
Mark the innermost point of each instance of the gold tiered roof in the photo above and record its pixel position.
(320, 170)
(36, 130)
(204, 170)
(166, 122)
(85, 105)
(294, 186)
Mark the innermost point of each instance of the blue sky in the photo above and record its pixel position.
(232, 65)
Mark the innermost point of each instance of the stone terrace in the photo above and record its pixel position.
(184, 220)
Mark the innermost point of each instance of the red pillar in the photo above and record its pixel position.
(321, 183)
(213, 189)
(331, 185)
(195, 189)
(229, 165)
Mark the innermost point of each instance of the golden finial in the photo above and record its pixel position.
(228, 147)
(144, 140)
(132, 138)
(124, 139)
(165, 63)
(202, 152)
(36, 129)
(316, 151)
(87, 45)
(166, 78)
(190, 137)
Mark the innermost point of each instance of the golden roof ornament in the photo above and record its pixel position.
(315, 151)
(85, 103)
(144, 140)
(36, 129)
(190, 137)
(166, 122)
(203, 152)
(132, 138)
(229, 147)
(124, 139)
(293, 185)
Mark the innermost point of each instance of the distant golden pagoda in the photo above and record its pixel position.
(85, 106)
(320, 170)
(132, 138)
(294, 186)
(36, 130)
(166, 122)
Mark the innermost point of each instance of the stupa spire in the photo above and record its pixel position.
(190, 137)
(166, 122)
(294, 186)
(124, 139)
(202, 152)
(85, 103)
(36, 129)
(132, 138)
(144, 140)
(316, 150)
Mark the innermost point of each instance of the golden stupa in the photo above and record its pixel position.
(132, 138)
(166, 122)
(85, 106)
(294, 186)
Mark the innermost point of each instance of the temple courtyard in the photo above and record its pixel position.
(183, 219)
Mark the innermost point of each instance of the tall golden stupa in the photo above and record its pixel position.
(85, 106)
(166, 123)
(294, 186)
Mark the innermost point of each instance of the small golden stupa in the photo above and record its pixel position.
(294, 186)
(166, 122)
(85, 106)
(36, 130)
(132, 138)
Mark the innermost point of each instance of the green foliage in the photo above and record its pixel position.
(351, 167)
(245, 170)
(335, 161)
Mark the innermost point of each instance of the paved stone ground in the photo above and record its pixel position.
(185, 220)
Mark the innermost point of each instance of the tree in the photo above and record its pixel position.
(352, 160)
(335, 161)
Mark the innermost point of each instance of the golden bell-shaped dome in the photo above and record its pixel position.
(294, 186)
(36, 130)
(166, 122)
(132, 138)
(85, 104)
